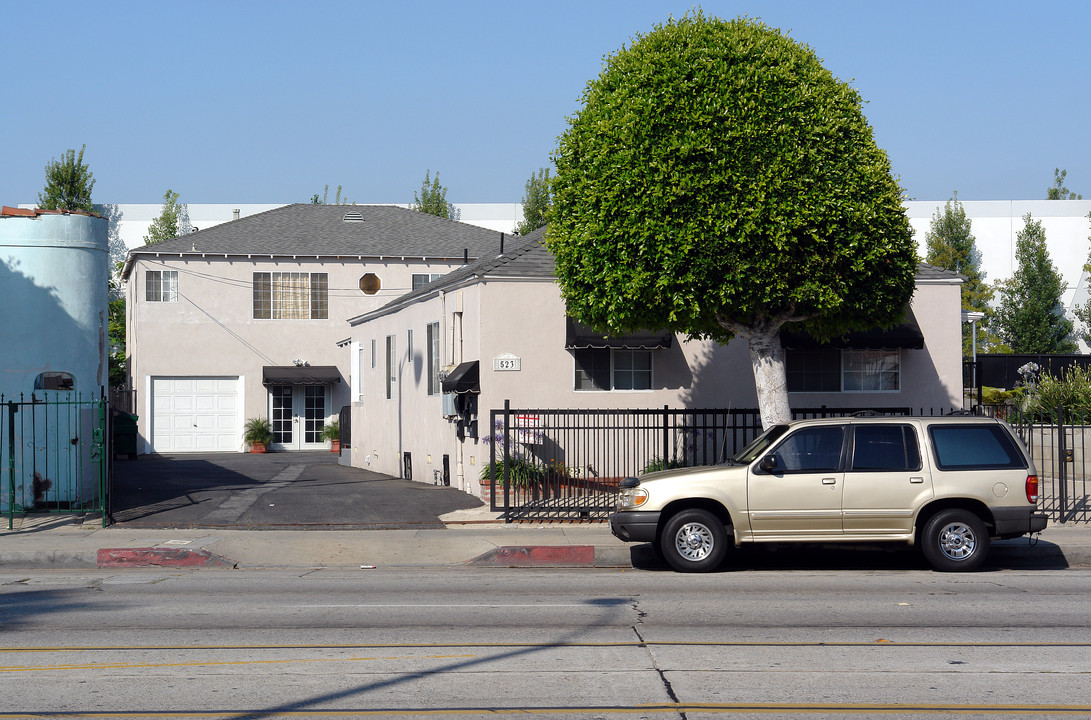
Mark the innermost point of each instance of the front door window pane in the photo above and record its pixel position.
(314, 412)
(282, 414)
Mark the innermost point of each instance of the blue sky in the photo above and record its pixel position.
(266, 102)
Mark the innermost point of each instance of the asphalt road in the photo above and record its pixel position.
(272, 491)
(557, 643)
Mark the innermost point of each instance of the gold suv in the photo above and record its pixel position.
(947, 484)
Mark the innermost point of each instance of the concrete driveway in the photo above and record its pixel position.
(307, 490)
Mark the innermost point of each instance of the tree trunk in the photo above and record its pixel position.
(770, 380)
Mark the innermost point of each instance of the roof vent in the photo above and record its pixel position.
(352, 217)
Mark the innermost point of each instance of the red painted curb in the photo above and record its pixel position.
(159, 557)
(539, 556)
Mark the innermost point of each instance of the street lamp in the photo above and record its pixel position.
(972, 317)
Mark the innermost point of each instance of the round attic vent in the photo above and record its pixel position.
(352, 216)
(370, 284)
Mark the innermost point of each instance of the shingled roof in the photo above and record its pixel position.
(523, 257)
(336, 231)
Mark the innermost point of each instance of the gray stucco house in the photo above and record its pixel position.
(243, 319)
(497, 330)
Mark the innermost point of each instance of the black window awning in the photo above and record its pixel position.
(906, 335)
(466, 378)
(581, 337)
(300, 375)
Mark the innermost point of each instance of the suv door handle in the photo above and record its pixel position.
(916, 480)
(829, 481)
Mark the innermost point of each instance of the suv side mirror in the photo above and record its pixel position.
(768, 463)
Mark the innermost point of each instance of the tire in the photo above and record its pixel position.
(694, 541)
(955, 540)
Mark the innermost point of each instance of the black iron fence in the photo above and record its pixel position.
(550, 464)
(565, 465)
(53, 455)
(1059, 442)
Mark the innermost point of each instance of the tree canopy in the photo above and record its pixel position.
(433, 198)
(1057, 191)
(324, 200)
(166, 226)
(537, 201)
(68, 183)
(718, 181)
(951, 245)
(1031, 318)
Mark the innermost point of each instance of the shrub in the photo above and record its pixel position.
(1071, 392)
(520, 472)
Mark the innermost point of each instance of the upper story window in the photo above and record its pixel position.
(422, 279)
(291, 296)
(607, 369)
(161, 285)
(833, 370)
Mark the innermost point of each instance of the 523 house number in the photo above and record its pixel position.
(507, 362)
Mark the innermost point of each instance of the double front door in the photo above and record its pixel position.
(298, 413)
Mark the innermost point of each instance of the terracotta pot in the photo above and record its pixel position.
(257, 448)
(335, 446)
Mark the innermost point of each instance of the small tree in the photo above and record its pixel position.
(537, 201)
(68, 184)
(433, 199)
(1057, 191)
(951, 245)
(718, 181)
(167, 226)
(1030, 318)
(337, 200)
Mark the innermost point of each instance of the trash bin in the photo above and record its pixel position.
(124, 435)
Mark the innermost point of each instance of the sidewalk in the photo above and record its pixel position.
(471, 538)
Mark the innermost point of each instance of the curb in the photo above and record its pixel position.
(158, 557)
(554, 556)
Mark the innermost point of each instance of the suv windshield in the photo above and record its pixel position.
(758, 445)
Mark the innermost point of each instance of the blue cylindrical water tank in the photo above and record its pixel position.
(53, 290)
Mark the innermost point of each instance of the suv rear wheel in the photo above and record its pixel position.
(694, 541)
(955, 540)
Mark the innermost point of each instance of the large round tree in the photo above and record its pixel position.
(718, 181)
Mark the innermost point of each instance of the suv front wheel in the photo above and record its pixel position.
(955, 540)
(694, 541)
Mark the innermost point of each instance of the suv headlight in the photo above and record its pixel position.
(631, 497)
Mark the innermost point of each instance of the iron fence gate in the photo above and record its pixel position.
(565, 465)
(1059, 446)
(53, 456)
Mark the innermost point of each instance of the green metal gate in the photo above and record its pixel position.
(53, 455)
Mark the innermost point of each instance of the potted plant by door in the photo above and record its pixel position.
(332, 431)
(258, 434)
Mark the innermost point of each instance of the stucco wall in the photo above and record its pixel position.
(211, 331)
(526, 319)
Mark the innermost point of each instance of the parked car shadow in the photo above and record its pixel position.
(1017, 554)
(272, 491)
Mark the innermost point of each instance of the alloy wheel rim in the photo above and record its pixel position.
(957, 541)
(694, 541)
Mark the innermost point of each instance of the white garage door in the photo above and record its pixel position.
(195, 414)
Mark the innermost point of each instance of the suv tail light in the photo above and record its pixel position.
(1032, 489)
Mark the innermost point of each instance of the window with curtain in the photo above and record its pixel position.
(870, 370)
(833, 370)
(291, 296)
